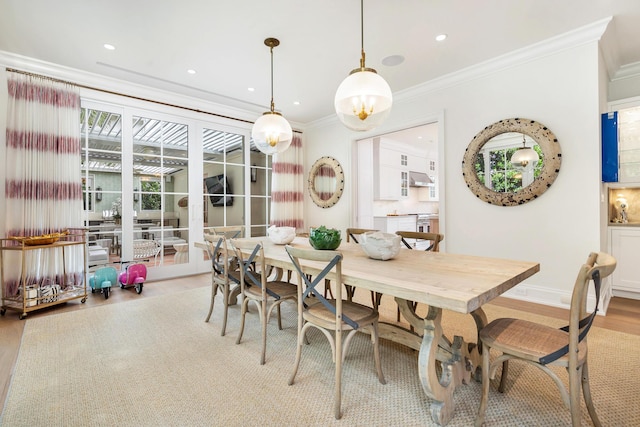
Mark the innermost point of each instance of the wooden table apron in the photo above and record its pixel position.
(460, 283)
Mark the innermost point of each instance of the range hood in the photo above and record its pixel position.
(419, 179)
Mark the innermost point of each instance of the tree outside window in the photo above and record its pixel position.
(150, 200)
(504, 177)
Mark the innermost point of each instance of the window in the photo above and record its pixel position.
(150, 199)
(88, 195)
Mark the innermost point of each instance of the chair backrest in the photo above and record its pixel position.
(434, 238)
(314, 286)
(353, 233)
(598, 266)
(223, 262)
(250, 255)
(229, 231)
(144, 248)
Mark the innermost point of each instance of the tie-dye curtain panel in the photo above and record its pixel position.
(43, 183)
(287, 188)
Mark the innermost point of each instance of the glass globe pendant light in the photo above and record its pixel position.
(524, 157)
(363, 100)
(272, 133)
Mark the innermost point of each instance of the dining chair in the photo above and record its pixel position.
(354, 234)
(257, 288)
(543, 346)
(229, 231)
(225, 273)
(434, 240)
(331, 316)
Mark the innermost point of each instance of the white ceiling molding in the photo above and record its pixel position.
(580, 36)
(627, 71)
(109, 84)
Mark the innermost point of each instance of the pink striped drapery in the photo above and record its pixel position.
(287, 187)
(43, 183)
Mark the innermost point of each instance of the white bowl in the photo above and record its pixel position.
(281, 235)
(379, 245)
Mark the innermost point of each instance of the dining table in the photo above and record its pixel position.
(442, 281)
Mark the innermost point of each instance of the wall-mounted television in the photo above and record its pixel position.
(217, 187)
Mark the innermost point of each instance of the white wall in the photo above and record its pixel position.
(560, 228)
(559, 88)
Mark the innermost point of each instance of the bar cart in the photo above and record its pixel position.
(48, 274)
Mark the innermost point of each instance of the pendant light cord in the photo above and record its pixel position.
(272, 105)
(362, 33)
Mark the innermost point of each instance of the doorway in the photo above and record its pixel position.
(399, 173)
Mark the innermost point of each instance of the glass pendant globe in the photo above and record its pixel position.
(271, 133)
(524, 158)
(363, 100)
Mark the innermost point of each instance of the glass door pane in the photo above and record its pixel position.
(161, 182)
(223, 179)
(101, 167)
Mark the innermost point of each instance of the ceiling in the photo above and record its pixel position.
(223, 41)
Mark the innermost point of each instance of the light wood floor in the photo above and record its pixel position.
(622, 315)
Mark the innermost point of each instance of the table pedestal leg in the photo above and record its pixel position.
(456, 360)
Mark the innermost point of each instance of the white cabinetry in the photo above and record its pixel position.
(625, 246)
(391, 172)
(391, 224)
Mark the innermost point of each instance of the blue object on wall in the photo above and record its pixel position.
(610, 162)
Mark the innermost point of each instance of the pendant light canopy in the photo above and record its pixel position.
(524, 157)
(272, 133)
(363, 100)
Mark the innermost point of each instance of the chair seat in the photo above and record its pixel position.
(318, 314)
(284, 289)
(528, 340)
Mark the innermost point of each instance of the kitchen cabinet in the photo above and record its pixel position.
(624, 242)
(390, 172)
(393, 223)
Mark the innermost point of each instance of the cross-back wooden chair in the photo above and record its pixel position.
(255, 287)
(225, 274)
(434, 240)
(331, 316)
(542, 346)
(229, 231)
(353, 234)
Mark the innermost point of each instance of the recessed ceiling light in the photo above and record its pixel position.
(296, 102)
(191, 71)
(250, 89)
(393, 60)
(441, 37)
(109, 46)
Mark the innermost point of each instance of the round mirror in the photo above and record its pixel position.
(511, 162)
(326, 182)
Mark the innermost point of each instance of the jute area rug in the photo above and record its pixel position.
(155, 362)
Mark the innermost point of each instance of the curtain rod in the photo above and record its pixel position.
(131, 96)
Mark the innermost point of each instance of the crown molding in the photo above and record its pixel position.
(580, 36)
(627, 71)
(99, 82)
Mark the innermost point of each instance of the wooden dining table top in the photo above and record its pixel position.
(461, 283)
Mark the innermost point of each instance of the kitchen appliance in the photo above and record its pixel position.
(423, 223)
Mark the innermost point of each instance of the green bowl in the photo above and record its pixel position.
(324, 238)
